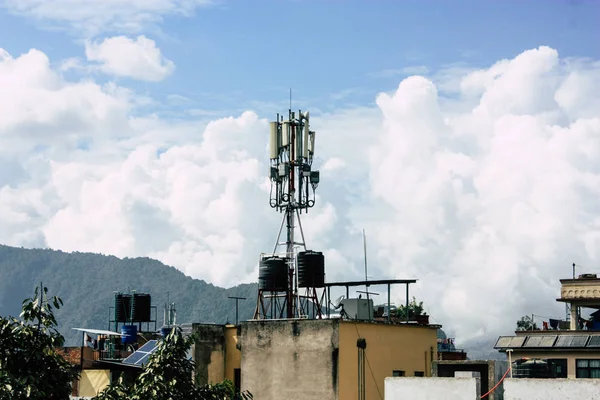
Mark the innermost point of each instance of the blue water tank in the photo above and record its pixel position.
(130, 332)
(165, 330)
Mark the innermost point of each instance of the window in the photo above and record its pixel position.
(588, 369)
(397, 373)
(558, 367)
(419, 373)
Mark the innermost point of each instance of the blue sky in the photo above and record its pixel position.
(235, 55)
(479, 178)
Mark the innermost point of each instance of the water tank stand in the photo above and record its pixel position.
(312, 303)
(271, 305)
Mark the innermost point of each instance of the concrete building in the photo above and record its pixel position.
(331, 358)
(295, 359)
(215, 352)
(556, 353)
(490, 372)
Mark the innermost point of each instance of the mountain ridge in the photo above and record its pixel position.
(87, 281)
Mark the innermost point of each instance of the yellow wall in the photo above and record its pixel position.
(389, 348)
(93, 381)
(233, 357)
(216, 368)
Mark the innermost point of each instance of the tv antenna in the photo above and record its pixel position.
(236, 306)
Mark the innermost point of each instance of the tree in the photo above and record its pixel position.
(30, 367)
(414, 309)
(526, 323)
(170, 375)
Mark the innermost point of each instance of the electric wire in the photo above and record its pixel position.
(499, 382)
(369, 365)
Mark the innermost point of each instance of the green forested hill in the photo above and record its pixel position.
(87, 282)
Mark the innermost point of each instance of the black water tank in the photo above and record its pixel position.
(311, 269)
(141, 307)
(122, 307)
(273, 274)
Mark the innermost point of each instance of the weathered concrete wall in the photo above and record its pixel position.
(209, 353)
(552, 389)
(290, 360)
(431, 388)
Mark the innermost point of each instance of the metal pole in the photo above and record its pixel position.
(290, 256)
(389, 304)
(236, 307)
(407, 302)
(301, 230)
(328, 301)
(279, 234)
(366, 276)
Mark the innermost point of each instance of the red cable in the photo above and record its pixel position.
(499, 382)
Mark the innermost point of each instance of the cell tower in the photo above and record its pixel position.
(291, 282)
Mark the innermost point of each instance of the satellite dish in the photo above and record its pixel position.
(338, 302)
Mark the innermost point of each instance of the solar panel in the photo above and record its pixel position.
(540, 341)
(533, 341)
(571, 341)
(548, 341)
(143, 360)
(564, 341)
(147, 347)
(134, 358)
(142, 355)
(503, 341)
(579, 341)
(594, 341)
(517, 341)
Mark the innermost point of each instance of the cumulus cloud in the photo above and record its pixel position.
(95, 16)
(487, 198)
(490, 207)
(40, 108)
(133, 58)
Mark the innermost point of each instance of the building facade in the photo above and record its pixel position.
(560, 353)
(331, 358)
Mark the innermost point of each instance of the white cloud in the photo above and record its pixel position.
(490, 207)
(125, 57)
(94, 16)
(486, 199)
(333, 163)
(40, 106)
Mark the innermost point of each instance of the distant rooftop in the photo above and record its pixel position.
(550, 341)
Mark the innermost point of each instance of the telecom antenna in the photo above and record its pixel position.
(291, 282)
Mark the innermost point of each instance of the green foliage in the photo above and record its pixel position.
(414, 309)
(86, 283)
(526, 323)
(169, 375)
(30, 367)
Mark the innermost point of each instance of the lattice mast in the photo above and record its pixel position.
(293, 185)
